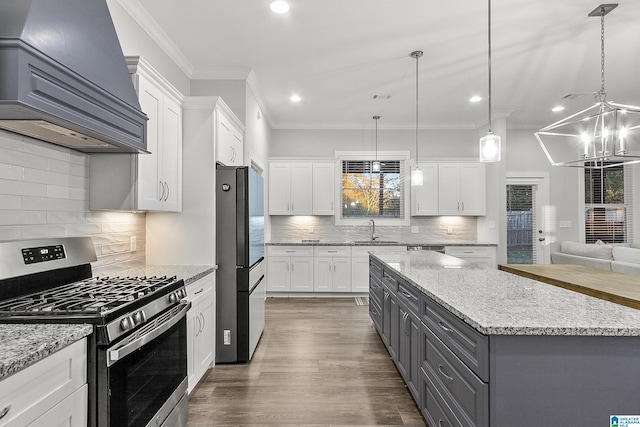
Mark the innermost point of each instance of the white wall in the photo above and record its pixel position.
(136, 42)
(233, 92)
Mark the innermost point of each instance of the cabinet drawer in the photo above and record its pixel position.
(465, 393)
(375, 288)
(332, 251)
(290, 250)
(375, 311)
(409, 295)
(375, 268)
(469, 251)
(389, 280)
(465, 342)
(434, 408)
(36, 389)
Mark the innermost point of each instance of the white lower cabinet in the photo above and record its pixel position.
(480, 256)
(201, 329)
(51, 392)
(332, 269)
(290, 269)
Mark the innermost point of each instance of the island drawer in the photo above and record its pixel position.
(389, 279)
(375, 268)
(409, 295)
(434, 408)
(375, 312)
(465, 342)
(465, 393)
(344, 251)
(375, 288)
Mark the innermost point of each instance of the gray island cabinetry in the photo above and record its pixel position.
(482, 347)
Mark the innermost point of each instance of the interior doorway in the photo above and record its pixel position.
(526, 231)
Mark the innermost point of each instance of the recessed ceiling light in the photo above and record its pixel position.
(475, 98)
(557, 108)
(295, 98)
(279, 6)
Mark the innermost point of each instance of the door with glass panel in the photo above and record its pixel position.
(526, 235)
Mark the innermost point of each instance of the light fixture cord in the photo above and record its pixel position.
(602, 94)
(489, 54)
(417, 59)
(376, 118)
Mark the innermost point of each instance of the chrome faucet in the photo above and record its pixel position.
(373, 229)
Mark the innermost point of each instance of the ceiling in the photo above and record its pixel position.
(338, 54)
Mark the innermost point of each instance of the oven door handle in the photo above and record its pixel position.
(118, 353)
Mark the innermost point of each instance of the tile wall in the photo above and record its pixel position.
(431, 230)
(44, 192)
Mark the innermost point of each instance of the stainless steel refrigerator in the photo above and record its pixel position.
(241, 288)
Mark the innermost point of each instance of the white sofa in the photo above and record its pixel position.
(620, 258)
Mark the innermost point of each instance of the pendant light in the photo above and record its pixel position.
(489, 145)
(604, 135)
(375, 166)
(417, 177)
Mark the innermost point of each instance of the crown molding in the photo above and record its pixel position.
(151, 27)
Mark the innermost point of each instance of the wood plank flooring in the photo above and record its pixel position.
(320, 362)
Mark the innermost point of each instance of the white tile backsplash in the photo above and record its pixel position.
(44, 192)
(431, 230)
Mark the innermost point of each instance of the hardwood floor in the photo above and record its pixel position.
(320, 362)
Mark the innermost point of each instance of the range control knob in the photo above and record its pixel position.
(182, 293)
(174, 298)
(126, 323)
(139, 317)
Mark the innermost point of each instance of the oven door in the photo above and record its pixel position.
(142, 380)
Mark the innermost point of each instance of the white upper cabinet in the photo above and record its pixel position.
(462, 189)
(230, 142)
(290, 188)
(424, 198)
(151, 182)
(323, 188)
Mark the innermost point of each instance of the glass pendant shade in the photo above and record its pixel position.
(417, 177)
(489, 148)
(603, 135)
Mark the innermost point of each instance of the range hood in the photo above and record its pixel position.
(64, 79)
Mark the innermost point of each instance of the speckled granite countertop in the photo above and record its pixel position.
(498, 303)
(190, 273)
(24, 344)
(381, 242)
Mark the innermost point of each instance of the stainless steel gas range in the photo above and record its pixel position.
(137, 360)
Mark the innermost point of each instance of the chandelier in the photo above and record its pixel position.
(417, 177)
(604, 135)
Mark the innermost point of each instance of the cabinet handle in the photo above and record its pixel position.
(161, 189)
(440, 423)
(462, 206)
(332, 252)
(331, 206)
(407, 294)
(167, 195)
(458, 206)
(287, 266)
(334, 267)
(291, 206)
(233, 154)
(5, 411)
(329, 267)
(203, 322)
(291, 251)
(292, 266)
(198, 291)
(198, 326)
(447, 377)
(444, 327)
(418, 207)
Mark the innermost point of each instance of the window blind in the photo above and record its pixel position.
(372, 194)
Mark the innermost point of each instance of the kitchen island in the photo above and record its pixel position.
(485, 347)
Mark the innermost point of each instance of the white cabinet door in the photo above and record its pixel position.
(473, 189)
(149, 182)
(341, 274)
(278, 270)
(323, 188)
(301, 188)
(462, 189)
(71, 412)
(322, 274)
(279, 203)
(230, 144)
(301, 274)
(201, 329)
(449, 189)
(360, 274)
(172, 156)
(290, 188)
(424, 198)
